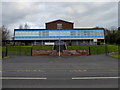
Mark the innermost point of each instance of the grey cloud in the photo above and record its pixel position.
(119, 14)
(83, 14)
(96, 14)
(12, 12)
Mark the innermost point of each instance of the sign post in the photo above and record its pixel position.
(59, 46)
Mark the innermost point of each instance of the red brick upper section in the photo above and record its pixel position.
(65, 24)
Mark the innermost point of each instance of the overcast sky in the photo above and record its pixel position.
(36, 14)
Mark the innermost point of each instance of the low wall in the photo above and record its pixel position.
(55, 53)
(76, 52)
(43, 52)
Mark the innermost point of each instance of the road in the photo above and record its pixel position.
(95, 71)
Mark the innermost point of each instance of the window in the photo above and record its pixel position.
(40, 33)
(59, 26)
(45, 33)
(85, 33)
(73, 33)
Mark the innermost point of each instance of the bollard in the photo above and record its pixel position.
(89, 51)
(6, 51)
(31, 51)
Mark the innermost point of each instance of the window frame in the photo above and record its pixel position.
(59, 26)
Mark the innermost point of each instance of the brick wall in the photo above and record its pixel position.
(55, 53)
(53, 25)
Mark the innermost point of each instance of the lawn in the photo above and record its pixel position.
(42, 47)
(0, 52)
(24, 50)
(96, 49)
(115, 55)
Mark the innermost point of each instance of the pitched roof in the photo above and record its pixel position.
(59, 20)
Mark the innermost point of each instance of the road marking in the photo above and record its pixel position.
(78, 70)
(76, 78)
(69, 70)
(44, 78)
(22, 71)
(30, 78)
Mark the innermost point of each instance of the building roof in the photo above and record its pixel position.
(58, 30)
(87, 28)
(29, 29)
(59, 20)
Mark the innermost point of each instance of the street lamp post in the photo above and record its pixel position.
(59, 42)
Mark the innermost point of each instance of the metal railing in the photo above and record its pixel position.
(16, 50)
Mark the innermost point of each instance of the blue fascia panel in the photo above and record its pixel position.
(33, 37)
(65, 30)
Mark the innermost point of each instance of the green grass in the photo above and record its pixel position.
(112, 48)
(0, 52)
(0, 48)
(115, 55)
(96, 49)
(24, 50)
(42, 47)
(3, 48)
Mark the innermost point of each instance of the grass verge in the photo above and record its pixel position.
(115, 56)
(96, 49)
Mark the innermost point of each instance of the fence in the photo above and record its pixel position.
(119, 51)
(96, 49)
(93, 49)
(22, 50)
(16, 50)
(28, 50)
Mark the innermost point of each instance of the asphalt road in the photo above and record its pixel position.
(60, 83)
(95, 71)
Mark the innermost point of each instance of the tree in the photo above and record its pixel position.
(26, 26)
(113, 36)
(97, 27)
(20, 27)
(118, 36)
(5, 33)
(118, 28)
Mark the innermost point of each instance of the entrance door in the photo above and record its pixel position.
(59, 46)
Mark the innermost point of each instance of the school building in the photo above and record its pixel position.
(59, 30)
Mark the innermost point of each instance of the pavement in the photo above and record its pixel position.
(94, 71)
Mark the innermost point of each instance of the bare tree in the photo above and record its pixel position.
(5, 33)
(26, 26)
(97, 27)
(20, 27)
